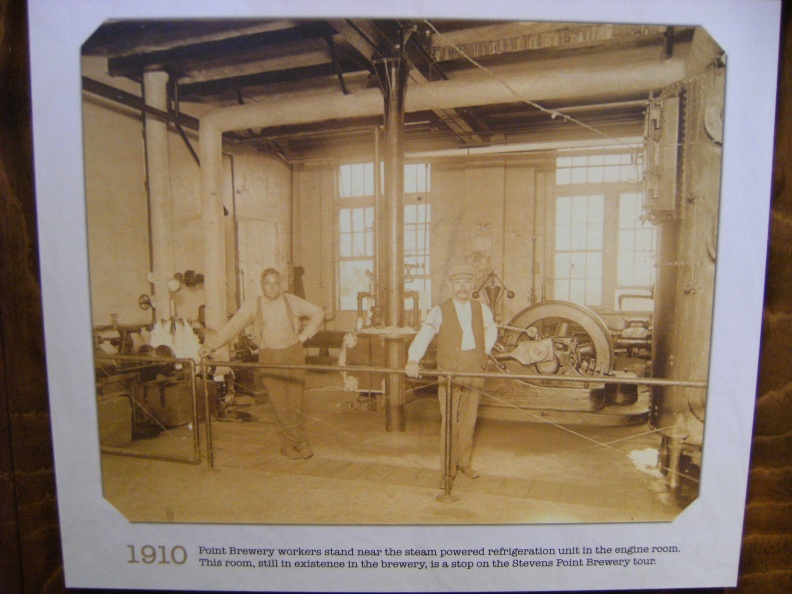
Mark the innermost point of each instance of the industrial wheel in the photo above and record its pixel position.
(555, 338)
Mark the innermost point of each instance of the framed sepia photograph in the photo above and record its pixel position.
(382, 298)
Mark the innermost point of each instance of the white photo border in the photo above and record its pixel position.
(95, 536)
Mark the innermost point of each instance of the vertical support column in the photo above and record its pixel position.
(211, 144)
(393, 73)
(155, 87)
(379, 223)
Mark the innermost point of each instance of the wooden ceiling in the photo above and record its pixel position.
(218, 63)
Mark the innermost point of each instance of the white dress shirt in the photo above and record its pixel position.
(464, 311)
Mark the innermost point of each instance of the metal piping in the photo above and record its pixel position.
(158, 167)
(394, 72)
(537, 84)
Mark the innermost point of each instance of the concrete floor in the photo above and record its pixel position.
(361, 474)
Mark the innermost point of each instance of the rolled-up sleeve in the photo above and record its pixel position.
(490, 328)
(244, 316)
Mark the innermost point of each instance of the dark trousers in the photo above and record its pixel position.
(285, 389)
(465, 397)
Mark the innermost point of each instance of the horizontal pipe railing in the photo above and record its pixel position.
(447, 375)
(583, 379)
(189, 366)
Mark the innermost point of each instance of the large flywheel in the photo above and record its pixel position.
(555, 338)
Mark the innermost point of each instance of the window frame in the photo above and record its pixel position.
(365, 201)
(612, 192)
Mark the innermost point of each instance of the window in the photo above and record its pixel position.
(579, 249)
(597, 169)
(604, 252)
(417, 219)
(356, 253)
(356, 233)
(636, 259)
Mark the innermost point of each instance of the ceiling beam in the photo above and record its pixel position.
(496, 40)
(194, 91)
(177, 58)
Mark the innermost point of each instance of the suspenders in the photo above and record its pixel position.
(261, 323)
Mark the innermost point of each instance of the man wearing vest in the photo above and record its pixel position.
(466, 333)
(275, 317)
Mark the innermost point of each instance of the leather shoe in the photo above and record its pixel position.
(305, 450)
(468, 472)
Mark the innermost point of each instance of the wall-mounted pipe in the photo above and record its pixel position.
(158, 171)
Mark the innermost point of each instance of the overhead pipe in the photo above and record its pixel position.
(537, 84)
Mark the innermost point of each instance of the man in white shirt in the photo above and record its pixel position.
(276, 318)
(466, 333)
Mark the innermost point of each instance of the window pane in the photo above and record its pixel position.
(596, 209)
(357, 219)
(358, 245)
(346, 245)
(421, 238)
(409, 179)
(353, 279)
(409, 213)
(369, 243)
(594, 292)
(577, 266)
(578, 236)
(345, 181)
(562, 290)
(594, 265)
(579, 175)
(409, 240)
(562, 263)
(563, 176)
(596, 175)
(345, 220)
(563, 240)
(627, 216)
(594, 239)
(358, 179)
(564, 210)
(643, 272)
(368, 186)
(626, 241)
(580, 209)
(626, 273)
(643, 240)
(577, 291)
(420, 178)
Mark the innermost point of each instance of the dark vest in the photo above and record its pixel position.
(449, 338)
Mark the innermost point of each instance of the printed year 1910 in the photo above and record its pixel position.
(150, 554)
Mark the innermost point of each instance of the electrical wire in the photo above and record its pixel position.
(550, 112)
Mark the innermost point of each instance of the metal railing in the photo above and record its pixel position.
(189, 368)
(447, 377)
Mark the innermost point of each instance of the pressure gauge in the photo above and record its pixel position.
(173, 285)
